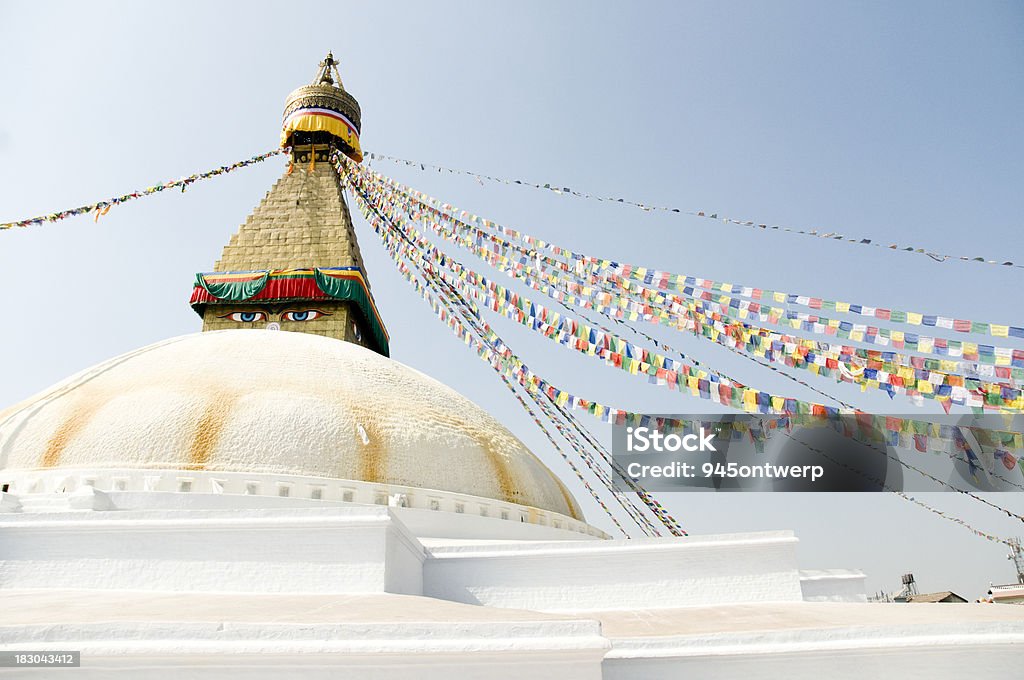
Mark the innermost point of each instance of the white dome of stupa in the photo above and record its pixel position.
(281, 403)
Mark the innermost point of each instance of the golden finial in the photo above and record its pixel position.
(322, 116)
(328, 66)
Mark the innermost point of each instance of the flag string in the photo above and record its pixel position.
(100, 208)
(873, 366)
(492, 349)
(917, 434)
(893, 374)
(761, 298)
(753, 224)
(411, 238)
(916, 501)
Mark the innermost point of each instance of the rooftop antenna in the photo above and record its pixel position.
(1017, 555)
(909, 585)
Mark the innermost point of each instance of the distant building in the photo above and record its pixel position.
(909, 593)
(944, 596)
(1012, 593)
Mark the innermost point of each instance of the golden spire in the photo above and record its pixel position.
(323, 114)
(295, 263)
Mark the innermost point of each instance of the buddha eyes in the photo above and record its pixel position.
(246, 317)
(304, 315)
(292, 315)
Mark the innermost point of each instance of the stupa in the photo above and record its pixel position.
(275, 497)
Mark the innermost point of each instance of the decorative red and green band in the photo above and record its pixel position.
(275, 285)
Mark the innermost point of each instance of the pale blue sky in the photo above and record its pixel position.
(895, 121)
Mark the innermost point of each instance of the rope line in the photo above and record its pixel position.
(100, 208)
(753, 224)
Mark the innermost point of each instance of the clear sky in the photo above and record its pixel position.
(894, 121)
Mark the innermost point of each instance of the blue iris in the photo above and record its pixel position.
(248, 316)
(300, 316)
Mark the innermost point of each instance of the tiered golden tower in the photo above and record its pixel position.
(295, 264)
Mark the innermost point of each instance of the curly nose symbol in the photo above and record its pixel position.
(273, 326)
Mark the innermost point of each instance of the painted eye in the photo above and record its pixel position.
(304, 315)
(246, 317)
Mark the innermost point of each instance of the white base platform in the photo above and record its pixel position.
(186, 586)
